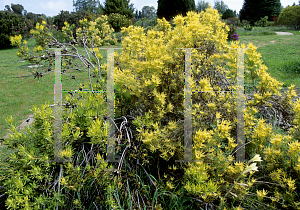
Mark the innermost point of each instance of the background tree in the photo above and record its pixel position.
(87, 5)
(254, 10)
(123, 7)
(7, 8)
(148, 12)
(17, 8)
(290, 16)
(202, 5)
(228, 14)
(170, 8)
(220, 6)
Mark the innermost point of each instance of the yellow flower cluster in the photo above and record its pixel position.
(98, 32)
(16, 40)
(38, 48)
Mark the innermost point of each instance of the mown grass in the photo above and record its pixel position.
(20, 90)
(281, 55)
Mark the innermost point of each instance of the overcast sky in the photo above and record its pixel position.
(53, 7)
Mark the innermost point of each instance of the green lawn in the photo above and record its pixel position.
(19, 94)
(280, 54)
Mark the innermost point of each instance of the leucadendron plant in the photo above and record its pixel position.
(149, 121)
(149, 82)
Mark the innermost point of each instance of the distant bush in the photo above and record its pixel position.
(228, 14)
(263, 22)
(118, 21)
(144, 22)
(12, 24)
(232, 35)
(246, 25)
(232, 20)
(290, 16)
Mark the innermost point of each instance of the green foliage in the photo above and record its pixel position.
(87, 5)
(168, 9)
(148, 12)
(71, 18)
(263, 22)
(12, 24)
(290, 16)
(291, 66)
(30, 172)
(202, 5)
(247, 26)
(228, 14)
(17, 9)
(220, 6)
(122, 7)
(118, 21)
(253, 10)
(146, 23)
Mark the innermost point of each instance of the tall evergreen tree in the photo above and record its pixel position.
(122, 7)
(170, 8)
(253, 10)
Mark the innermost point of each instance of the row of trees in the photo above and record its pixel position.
(122, 7)
(254, 10)
(19, 9)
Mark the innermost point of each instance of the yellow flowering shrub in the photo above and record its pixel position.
(149, 79)
(99, 30)
(149, 87)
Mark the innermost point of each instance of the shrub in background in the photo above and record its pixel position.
(232, 35)
(263, 22)
(144, 22)
(290, 16)
(232, 20)
(118, 21)
(247, 26)
(228, 14)
(12, 24)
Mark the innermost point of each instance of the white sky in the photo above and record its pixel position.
(53, 7)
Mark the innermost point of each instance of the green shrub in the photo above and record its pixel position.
(144, 22)
(232, 20)
(228, 14)
(290, 16)
(247, 26)
(12, 24)
(263, 22)
(118, 21)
